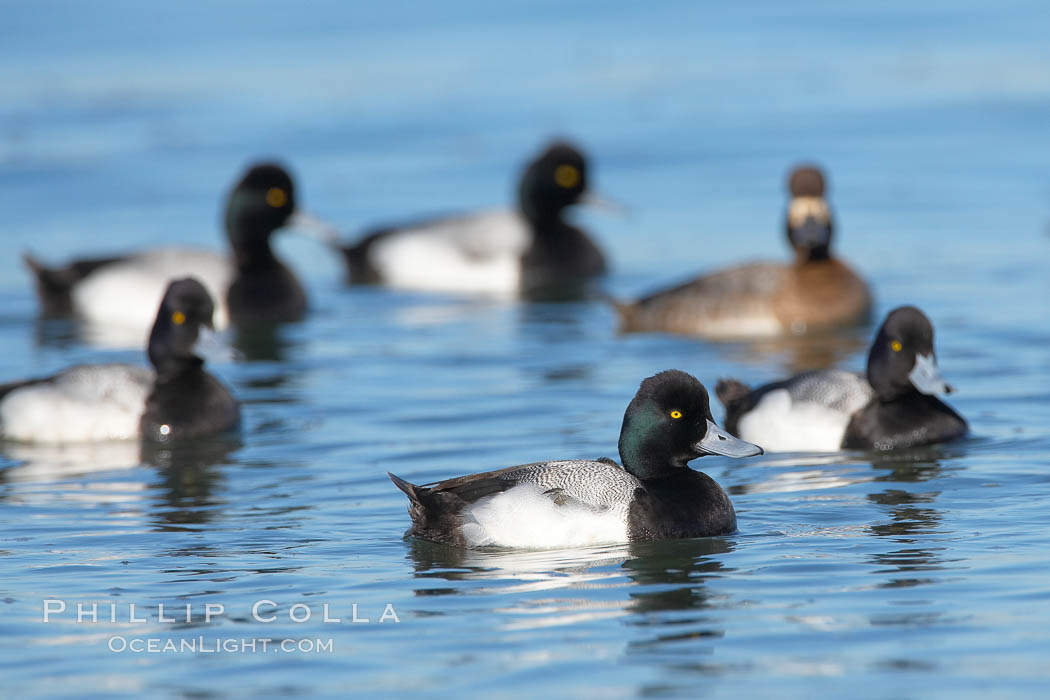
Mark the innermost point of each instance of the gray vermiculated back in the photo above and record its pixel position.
(837, 389)
(117, 381)
(592, 482)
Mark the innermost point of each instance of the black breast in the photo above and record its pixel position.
(686, 503)
(358, 258)
(270, 294)
(911, 421)
(190, 405)
(564, 258)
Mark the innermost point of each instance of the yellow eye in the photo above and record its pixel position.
(896, 346)
(676, 414)
(566, 176)
(276, 197)
(178, 318)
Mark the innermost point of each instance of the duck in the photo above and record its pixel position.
(251, 284)
(567, 503)
(894, 405)
(531, 250)
(175, 400)
(814, 292)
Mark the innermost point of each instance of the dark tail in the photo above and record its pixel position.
(735, 396)
(730, 391)
(359, 268)
(436, 511)
(416, 510)
(53, 285)
(408, 489)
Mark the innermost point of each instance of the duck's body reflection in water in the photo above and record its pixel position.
(262, 342)
(670, 574)
(513, 569)
(908, 545)
(45, 462)
(190, 471)
(805, 471)
(796, 354)
(258, 341)
(916, 464)
(653, 577)
(913, 519)
(58, 333)
(64, 333)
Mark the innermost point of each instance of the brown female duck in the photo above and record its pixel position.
(754, 300)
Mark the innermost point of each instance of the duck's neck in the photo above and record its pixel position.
(889, 388)
(171, 368)
(910, 397)
(544, 223)
(541, 210)
(250, 240)
(805, 256)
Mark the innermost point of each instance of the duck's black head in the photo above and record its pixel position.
(902, 360)
(553, 181)
(809, 224)
(669, 423)
(260, 203)
(185, 308)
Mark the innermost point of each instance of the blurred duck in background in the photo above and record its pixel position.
(93, 403)
(765, 300)
(531, 251)
(121, 293)
(892, 406)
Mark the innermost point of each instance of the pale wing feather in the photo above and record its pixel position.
(809, 413)
(479, 253)
(593, 483)
(81, 404)
(533, 513)
(836, 389)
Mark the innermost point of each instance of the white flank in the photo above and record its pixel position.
(82, 404)
(477, 254)
(524, 517)
(779, 424)
(121, 300)
(47, 461)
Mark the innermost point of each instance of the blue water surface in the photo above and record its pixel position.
(920, 574)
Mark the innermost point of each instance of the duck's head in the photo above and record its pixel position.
(261, 202)
(669, 423)
(809, 224)
(556, 179)
(902, 359)
(186, 309)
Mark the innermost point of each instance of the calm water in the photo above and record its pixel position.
(923, 574)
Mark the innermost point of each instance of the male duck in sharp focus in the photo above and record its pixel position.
(567, 503)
